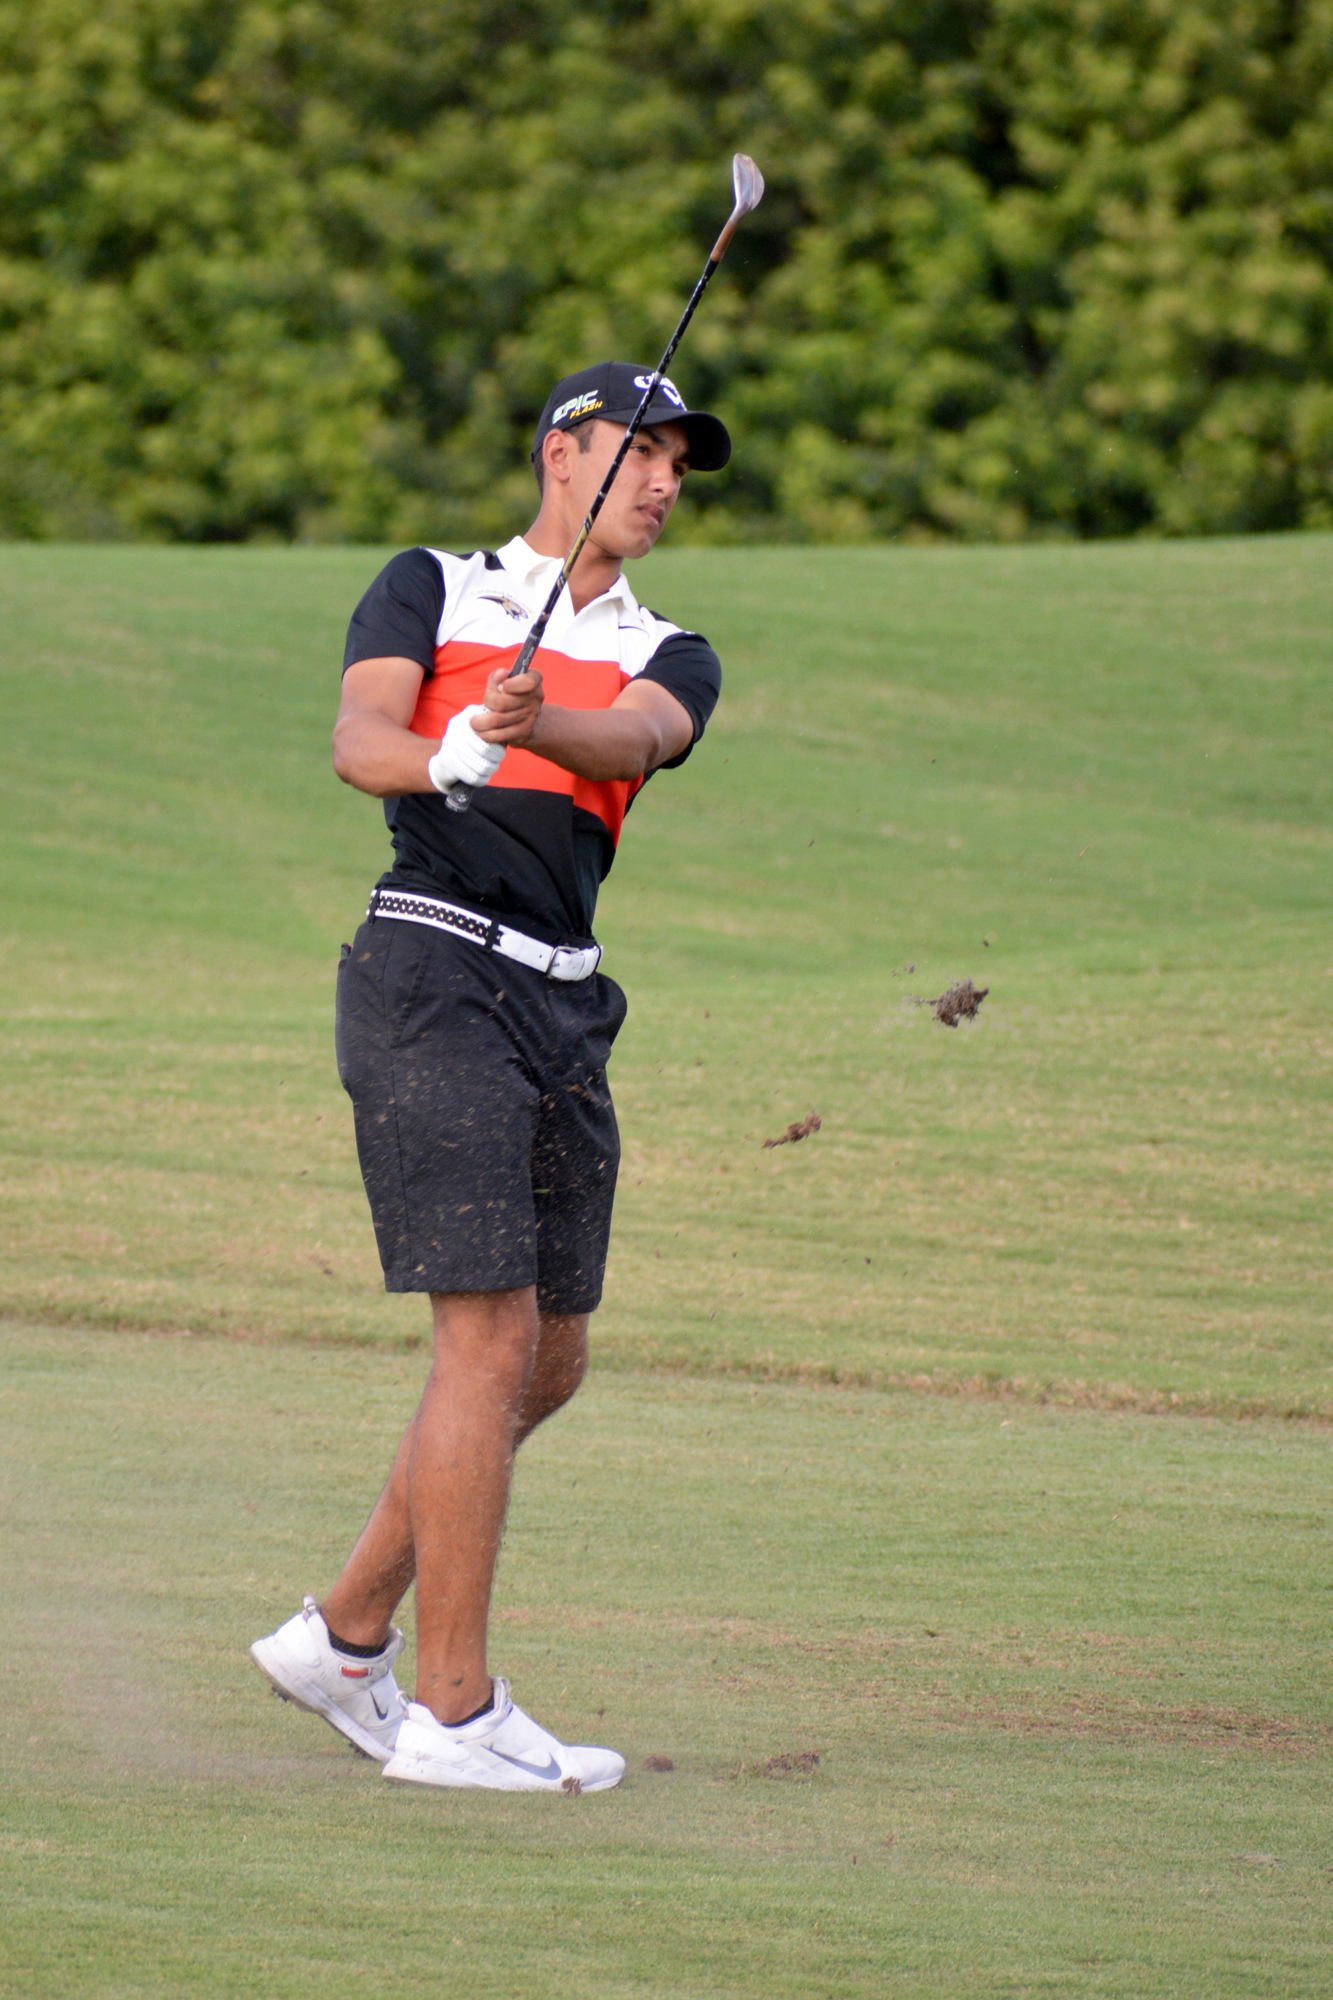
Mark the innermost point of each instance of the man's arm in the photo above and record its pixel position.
(645, 726)
(375, 750)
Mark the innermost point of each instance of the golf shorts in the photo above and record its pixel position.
(484, 1124)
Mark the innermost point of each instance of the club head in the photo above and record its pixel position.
(748, 183)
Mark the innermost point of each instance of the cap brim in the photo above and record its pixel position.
(710, 441)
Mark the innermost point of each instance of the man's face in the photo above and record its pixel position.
(646, 487)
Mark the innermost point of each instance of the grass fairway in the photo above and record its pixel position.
(1064, 1662)
(1096, 779)
(1065, 1673)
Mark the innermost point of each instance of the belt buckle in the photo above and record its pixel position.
(581, 968)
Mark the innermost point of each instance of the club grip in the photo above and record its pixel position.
(459, 799)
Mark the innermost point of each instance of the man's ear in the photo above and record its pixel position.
(558, 449)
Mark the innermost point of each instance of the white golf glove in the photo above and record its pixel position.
(464, 758)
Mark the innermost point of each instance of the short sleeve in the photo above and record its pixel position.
(399, 616)
(687, 667)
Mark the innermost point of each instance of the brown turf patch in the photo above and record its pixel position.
(789, 1764)
(1111, 1721)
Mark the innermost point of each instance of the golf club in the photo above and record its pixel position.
(748, 184)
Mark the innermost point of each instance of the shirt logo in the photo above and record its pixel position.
(664, 388)
(580, 406)
(505, 602)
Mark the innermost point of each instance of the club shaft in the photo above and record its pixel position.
(461, 797)
(528, 649)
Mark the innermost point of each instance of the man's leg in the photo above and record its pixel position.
(499, 1369)
(561, 1364)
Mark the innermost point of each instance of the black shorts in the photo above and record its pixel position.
(484, 1124)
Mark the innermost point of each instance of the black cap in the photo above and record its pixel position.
(614, 390)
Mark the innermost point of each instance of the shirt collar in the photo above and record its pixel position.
(523, 561)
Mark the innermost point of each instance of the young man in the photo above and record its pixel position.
(473, 1033)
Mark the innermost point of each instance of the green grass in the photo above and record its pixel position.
(1064, 1663)
(1065, 1672)
(1109, 763)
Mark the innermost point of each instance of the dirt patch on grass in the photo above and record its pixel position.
(1095, 1716)
(788, 1764)
(909, 1680)
(95, 1675)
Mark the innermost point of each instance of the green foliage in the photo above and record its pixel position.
(308, 267)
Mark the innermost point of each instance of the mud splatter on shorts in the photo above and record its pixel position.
(484, 1122)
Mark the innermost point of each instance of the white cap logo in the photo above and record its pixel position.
(668, 389)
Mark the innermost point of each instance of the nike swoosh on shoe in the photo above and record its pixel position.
(550, 1770)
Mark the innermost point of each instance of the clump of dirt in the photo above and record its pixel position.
(959, 1003)
(572, 1785)
(795, 1132)
(790, 1762)
(658, 1764)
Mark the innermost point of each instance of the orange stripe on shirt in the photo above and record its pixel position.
(461, 673)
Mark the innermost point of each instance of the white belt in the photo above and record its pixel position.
(557, 961)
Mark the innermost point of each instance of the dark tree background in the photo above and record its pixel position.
(308, 267)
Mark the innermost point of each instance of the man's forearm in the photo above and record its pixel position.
(597, 743)
(381, 757)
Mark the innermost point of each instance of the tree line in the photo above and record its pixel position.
(307, 268)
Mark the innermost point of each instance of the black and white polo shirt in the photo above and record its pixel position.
(537, 842)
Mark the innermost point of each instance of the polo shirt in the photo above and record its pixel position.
(537, 842)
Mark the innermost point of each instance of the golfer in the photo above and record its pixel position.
(473, 1031)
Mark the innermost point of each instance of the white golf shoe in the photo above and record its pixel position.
(359, 1697)
(501, 1751)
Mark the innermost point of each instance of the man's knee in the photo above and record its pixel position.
(564, 1337)
(576, 1367)
(495, 1334)
(562, 1363)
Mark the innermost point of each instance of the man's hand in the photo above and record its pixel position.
(512, 713)
(463, 758)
